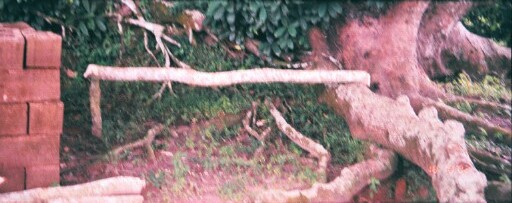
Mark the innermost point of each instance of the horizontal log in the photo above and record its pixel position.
(215, 79)
(117, 186)
(109, 199)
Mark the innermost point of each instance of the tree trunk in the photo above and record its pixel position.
(400, 50)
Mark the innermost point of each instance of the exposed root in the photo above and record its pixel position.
(315, 149)
(437, 147)
(489, 162)
(2, 180)
(452, 113)
(478, 102)
(146, 142)
(351, 180)
(260, 137)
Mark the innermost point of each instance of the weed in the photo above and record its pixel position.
(232, 189)
(374, 184)
(157, 179)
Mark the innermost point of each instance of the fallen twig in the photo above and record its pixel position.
(146, 141)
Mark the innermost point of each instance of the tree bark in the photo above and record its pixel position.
(438, 148)
(445, 46)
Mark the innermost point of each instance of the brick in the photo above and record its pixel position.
(33, 150)
(29, 85)
(43, 49)
(13, 119)
(45, 117)
(16, 25)
(12, 46)
(42, 176)
(14, 179)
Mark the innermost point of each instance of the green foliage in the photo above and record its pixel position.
(280, 25)
(83, 17)
(490, 88)
(491, 19)
(374, 184)
(157, 179)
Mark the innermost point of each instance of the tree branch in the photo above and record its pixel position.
(146, 141)
(206, 79)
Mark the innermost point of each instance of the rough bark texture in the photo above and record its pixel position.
(351, 180)
(436, 25)
(438, 148)
(125, 188)
(205, 79)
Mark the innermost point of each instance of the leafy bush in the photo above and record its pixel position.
(492, 19)
(281, 25)
(490, 88)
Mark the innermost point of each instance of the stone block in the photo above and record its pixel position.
(29, 85)
(43, 49)
(12, 46)
(33, 150)
(42, 176)
(14, 179)
(45, 117)
(13, 119)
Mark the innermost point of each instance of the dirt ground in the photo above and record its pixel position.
(200, 168)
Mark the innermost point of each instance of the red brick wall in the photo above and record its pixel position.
(31, 113)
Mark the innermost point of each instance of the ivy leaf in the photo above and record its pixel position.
(322, 9)
(219, 13)
(337, 7)
(101, 25)
(212, 7)
(292, 31)
(231, 18)
(83, 28)
(279, 32)
(263, 14)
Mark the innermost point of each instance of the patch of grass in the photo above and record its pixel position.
(181, 170)
(415, 179)
(490, 88)
(307, 175)
(233, 189)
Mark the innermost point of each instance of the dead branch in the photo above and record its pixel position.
(146, 142)
(315, 149)
(121, 186)
(351, 180)
(437, 147)
(215, 79)
(94, 102)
